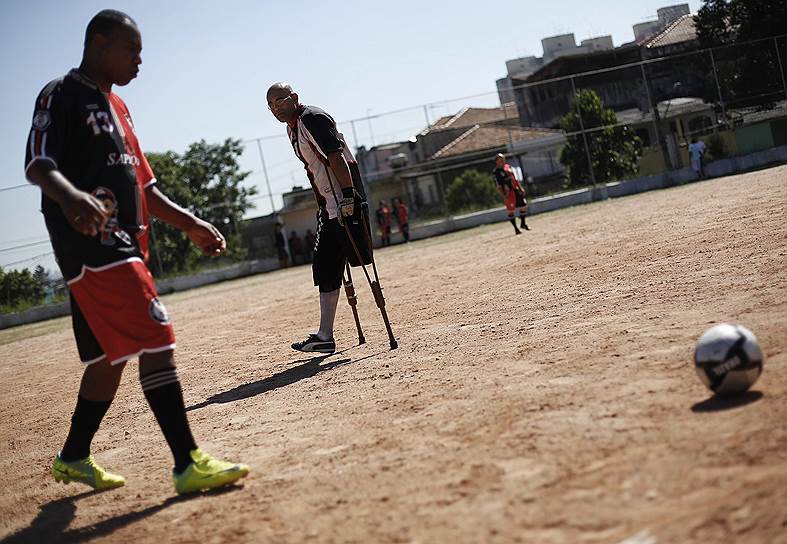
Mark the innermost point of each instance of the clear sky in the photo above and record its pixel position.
(207, 64)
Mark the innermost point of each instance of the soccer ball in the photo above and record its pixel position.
(728, 359)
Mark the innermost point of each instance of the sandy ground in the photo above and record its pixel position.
(543, 391)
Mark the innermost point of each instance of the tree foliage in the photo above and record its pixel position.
(205, 180)
(471, 190)
(614, 150)
(22, 287)
(748, 74)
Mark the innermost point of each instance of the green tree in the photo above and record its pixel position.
(205, 180)
(614, 150)
(748, 74)
(471, 190)
(19, 287)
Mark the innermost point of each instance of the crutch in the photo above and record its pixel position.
(353, 301)
(377, 290)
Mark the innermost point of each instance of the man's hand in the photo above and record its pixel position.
(207, 238)
(85, 213)
(347, 203)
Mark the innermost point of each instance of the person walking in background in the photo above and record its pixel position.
(281, 246)
(402, 218)
(296, 248)
(697, 154)
(512, 193)
(383, 216)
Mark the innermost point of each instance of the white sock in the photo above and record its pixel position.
(328, 303)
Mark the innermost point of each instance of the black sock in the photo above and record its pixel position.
(521, 219)
(84, 424)
(513, 222)
(165, 397)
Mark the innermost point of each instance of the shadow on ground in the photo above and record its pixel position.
(718, 403)
(51, 523)
(309, 368)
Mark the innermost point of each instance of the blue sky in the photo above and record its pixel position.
(207, 64)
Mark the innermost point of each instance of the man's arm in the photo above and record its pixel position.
(341, 170)
(85, 213)
(203, 234)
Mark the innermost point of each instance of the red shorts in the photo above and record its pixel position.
(117, 314)
(514, 200)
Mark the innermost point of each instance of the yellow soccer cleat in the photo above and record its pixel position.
(85, 471)
(206, 473)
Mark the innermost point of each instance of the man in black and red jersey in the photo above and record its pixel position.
(97, 188)
(512, 193)
(336, 181)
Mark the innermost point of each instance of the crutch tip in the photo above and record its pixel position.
(361, 341)
(394, 344)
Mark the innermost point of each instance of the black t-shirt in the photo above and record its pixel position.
(77, 129)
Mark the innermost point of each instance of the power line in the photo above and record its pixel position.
(28, 259)
(14, 248)
(15, 187)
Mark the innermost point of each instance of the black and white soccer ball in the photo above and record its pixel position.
(728, 359)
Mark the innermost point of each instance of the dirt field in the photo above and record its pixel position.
(543, 391)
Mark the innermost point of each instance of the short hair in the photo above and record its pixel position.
(105, 21)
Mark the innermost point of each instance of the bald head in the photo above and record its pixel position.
(283, 102)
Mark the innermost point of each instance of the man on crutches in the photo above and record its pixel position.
(342, 220)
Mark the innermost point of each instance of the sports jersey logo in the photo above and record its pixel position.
(158, 312)
(42, 120)
(114, 159)
(112, 228)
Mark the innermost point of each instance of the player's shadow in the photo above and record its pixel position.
(51, 523)
(309, 368)
(719, 403)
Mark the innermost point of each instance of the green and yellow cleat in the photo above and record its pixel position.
(206, 473)
(85, 471)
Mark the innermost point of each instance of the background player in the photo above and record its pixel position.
(338, 189)
(84, 155)
(512, 193)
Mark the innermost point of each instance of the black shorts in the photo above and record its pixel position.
(333, 248)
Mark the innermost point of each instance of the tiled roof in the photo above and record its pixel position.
(469, 117)
(480, 138)
(680, 31)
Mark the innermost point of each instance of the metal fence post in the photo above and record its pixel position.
(584, 136)
(265, 171)
(781, 67)
(718, 87)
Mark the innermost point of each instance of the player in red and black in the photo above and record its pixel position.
(97, 188)
(512, 193)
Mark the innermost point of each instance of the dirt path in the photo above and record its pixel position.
(543, 391)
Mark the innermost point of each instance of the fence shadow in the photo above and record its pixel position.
(51, 523)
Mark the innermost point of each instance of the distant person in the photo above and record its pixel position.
(296, 248)
(310, 240)
(697, 155)
(512, 193)
(281, 246)
(402, 218)
(383, 216)
(97, 192)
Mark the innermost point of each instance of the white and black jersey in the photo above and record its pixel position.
(313, 137)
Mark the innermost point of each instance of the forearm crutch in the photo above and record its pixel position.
(353, 301)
